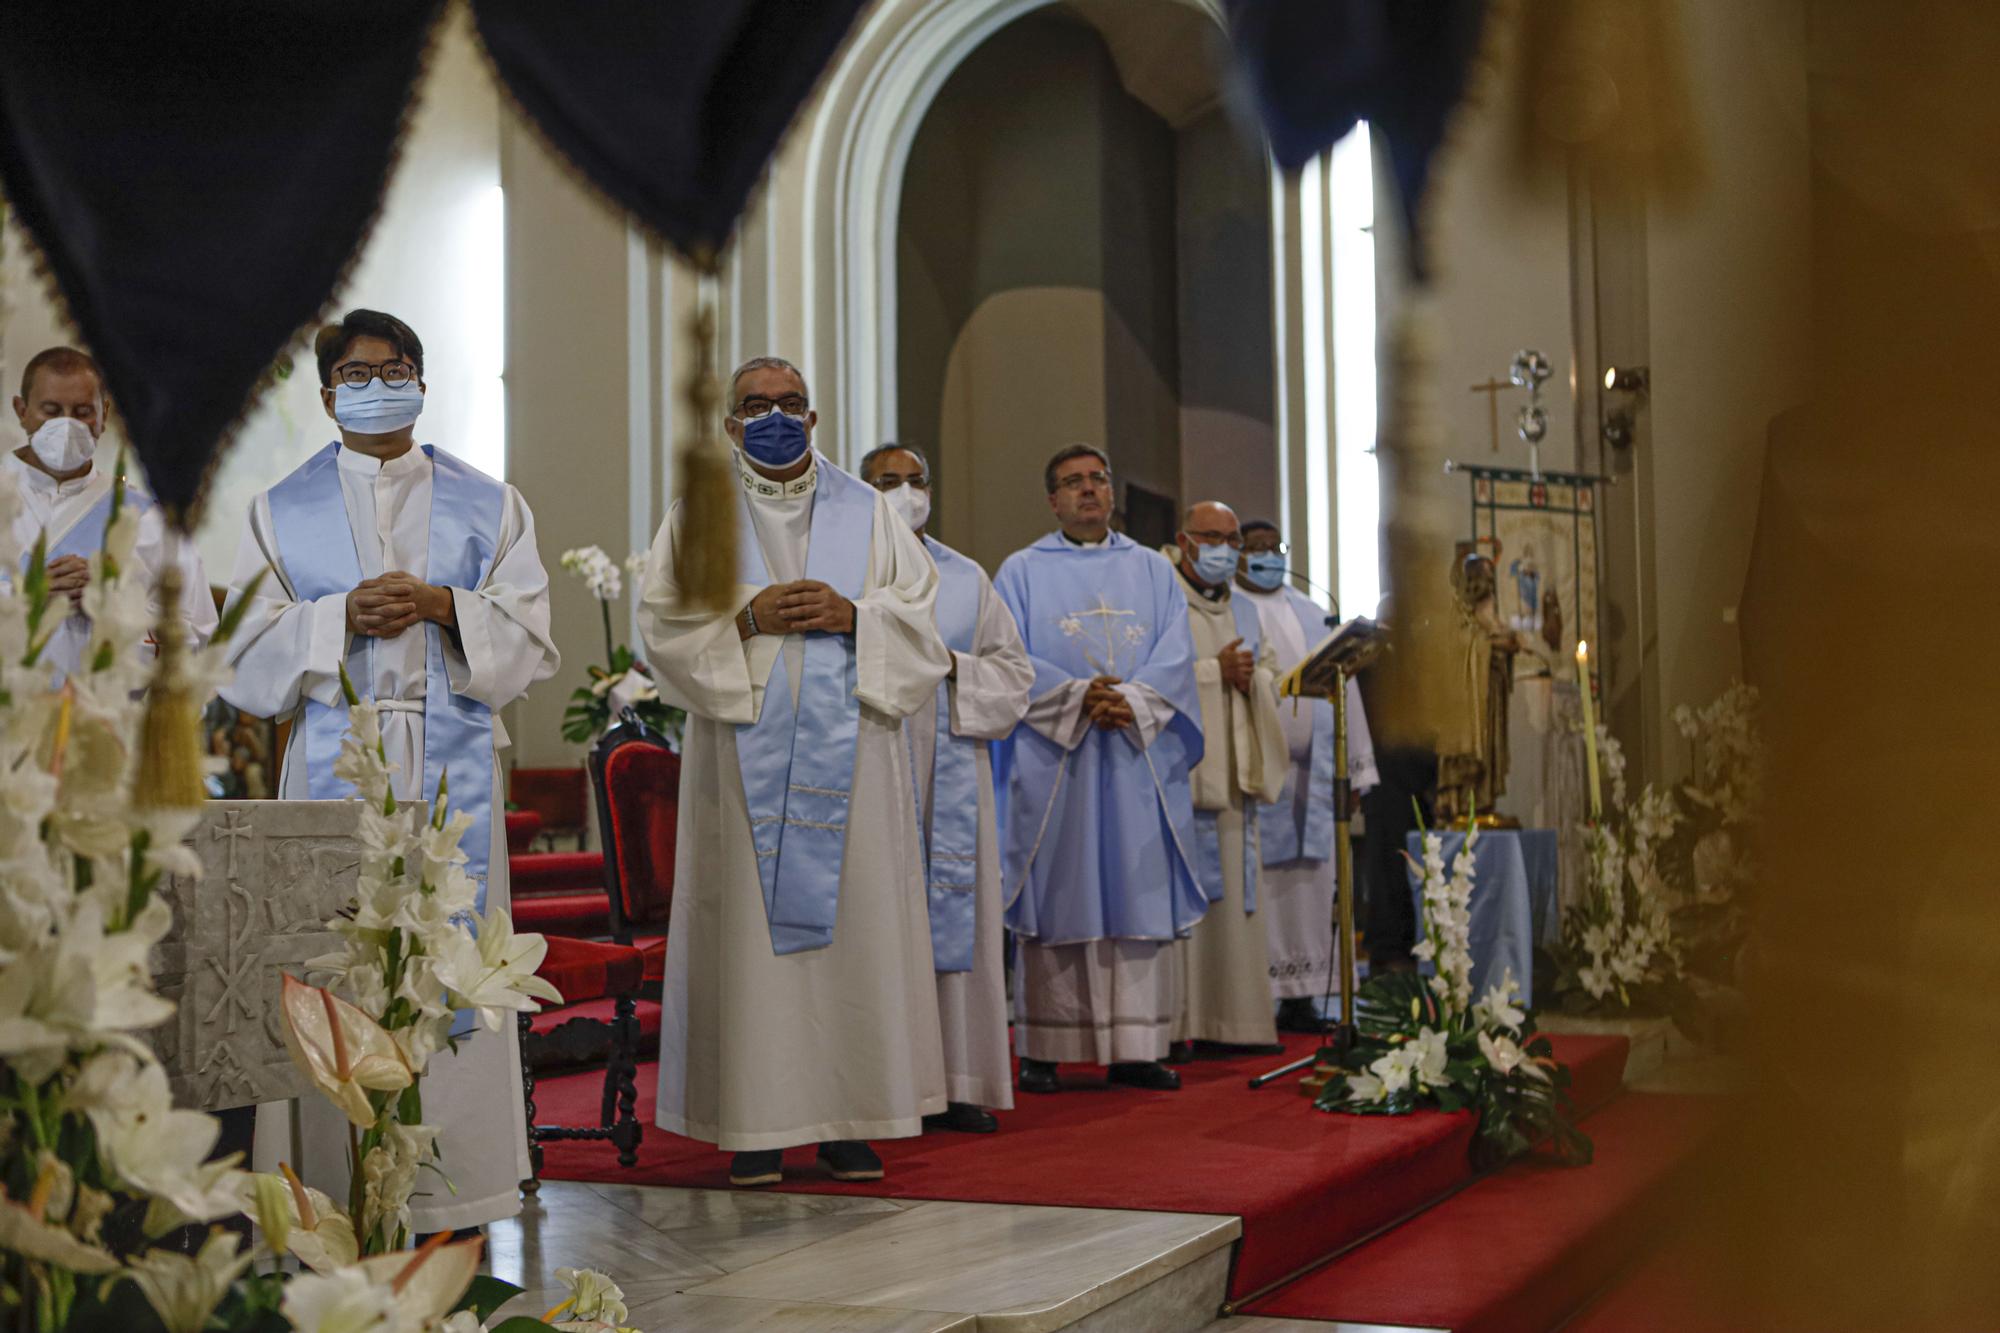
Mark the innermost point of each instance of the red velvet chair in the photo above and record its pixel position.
(557, 795)
(590, 975)
(637, 776)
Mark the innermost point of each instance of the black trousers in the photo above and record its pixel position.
(1391, 807)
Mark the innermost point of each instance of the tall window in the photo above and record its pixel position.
(1357, 485)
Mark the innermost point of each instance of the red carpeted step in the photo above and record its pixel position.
(579, 915)
(1305, 1183)
(1671, 1291)
(1521, 1249)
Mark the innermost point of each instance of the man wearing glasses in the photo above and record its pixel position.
(1297, 829)
(1226, 992)
(1097, 824)
(985, 697)
(420, 574)
(800, 1005)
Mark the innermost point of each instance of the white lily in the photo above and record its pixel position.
(1428, 1056)
(184, 1291)
(495, 974)
(347, 1300)
(24, 1232)
(1505, 1056)
(592, 1295)
(80, 990)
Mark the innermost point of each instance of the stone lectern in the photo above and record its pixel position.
(276, 873)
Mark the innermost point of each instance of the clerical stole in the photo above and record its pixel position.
(951, 843)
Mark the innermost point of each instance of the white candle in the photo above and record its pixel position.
(1589, 729)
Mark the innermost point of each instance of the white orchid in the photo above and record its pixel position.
(184, 1290)
(597, 571)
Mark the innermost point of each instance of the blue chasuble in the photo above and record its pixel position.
(1299, 825)
(316, 546)
(1207, 838)
(951, 843)
(797, 758)
(1098, 842)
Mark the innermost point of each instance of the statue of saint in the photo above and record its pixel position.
(1472, 742)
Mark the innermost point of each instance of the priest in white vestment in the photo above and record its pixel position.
(1096, 821)
(1226, 987)
(421, 575)
(985, 696)
(1297, 829)
(800, 1005)
(65, 498)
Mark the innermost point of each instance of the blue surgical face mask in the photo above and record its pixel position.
(377, 409)
(775, 439)
(1265, 569)
(1213, 564)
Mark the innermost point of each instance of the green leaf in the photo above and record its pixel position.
(486, 1294)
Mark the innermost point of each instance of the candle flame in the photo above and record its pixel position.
(1582, 651)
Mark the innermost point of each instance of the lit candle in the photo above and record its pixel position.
(1589, 728)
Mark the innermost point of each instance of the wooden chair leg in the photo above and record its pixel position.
(625, 1132)
(533, 1184)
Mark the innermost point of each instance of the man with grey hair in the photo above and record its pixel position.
(985, 696)
(799, 1002)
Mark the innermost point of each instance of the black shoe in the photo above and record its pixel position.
(1145, 1074)
(965, 1118)
(850, 1159)
(1298, 1015)
(1180, 1053)
(1039, 1076)
(757, 1168)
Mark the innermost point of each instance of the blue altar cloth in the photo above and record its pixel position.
(1514, 900)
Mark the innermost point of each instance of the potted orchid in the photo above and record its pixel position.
(1425, 1042)
(625, 683)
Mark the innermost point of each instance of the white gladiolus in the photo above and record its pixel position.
(184, 1291)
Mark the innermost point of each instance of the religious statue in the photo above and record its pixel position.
(1472, 740)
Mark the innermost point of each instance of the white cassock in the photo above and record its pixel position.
(56, 507)
(760, 1050)
(1225, 991)
(986, 697)
(1299, 894)
(286, 651)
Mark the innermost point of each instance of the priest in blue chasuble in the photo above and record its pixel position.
(1226, 984)
(1097, 820)
(985, 696)
(800, 1004)
(420, 574)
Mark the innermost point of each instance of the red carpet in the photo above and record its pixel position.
(1305, 1183)
(1521, 1249)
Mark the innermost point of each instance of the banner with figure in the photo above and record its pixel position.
(1541, 532)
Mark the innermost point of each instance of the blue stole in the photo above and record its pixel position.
(85, 537)
(797, 759)
(316, 545)
(1208, 839)
(1303, 831)
(951, 844)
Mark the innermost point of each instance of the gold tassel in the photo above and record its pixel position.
(707, 483)
(170, 775)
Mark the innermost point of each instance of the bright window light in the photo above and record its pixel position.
(1357, 483)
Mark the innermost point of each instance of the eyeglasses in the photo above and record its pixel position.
(356, 374)
(1234, 539)
(1279, 548)
(792, 405)
(889, 481)
(1076, 481)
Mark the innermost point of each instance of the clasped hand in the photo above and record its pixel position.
(388, 604)
(1105, 705)
(794, 608)
(69, 575)
(1239, 667)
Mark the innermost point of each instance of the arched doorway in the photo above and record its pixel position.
(1083, 253)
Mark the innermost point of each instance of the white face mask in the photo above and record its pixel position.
(63, 444)
(914, 505)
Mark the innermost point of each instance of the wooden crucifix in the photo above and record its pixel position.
(1492, 389)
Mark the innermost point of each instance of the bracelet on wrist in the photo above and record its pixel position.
(749, 622)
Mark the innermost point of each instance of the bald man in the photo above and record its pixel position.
(1225, 991)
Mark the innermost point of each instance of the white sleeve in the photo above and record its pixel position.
(698, 661)
(285, 651)
(899, 660)
(989, 694)
(1058, 715)
(1150, 711)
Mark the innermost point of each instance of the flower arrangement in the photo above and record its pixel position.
(1665, 873)
(625, 683)
(101, 1176)
(1425, 1042)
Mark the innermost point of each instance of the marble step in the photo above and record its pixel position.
(725, 1261)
